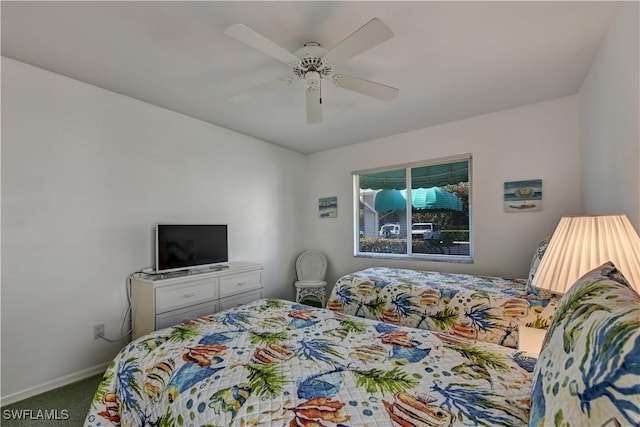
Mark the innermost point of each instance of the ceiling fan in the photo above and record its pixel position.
(313, 63)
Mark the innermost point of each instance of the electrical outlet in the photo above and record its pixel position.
(98, 330)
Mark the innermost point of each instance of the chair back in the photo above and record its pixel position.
(311, 265)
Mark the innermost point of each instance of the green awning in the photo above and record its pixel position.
(391, 200)
(433, 199)
(421, 177)
(386, 180)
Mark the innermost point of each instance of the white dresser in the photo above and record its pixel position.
(164, 300)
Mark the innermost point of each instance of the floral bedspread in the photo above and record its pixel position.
(277, 363)
(484, 308)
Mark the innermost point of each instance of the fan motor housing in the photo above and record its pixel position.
(312, 61)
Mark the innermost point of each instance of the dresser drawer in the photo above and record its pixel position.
(163, 300)
(236, 300)
(239, 283)
(178, 316)
(177, 296)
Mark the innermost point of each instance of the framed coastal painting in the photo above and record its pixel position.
(328, 207)
(523, 196)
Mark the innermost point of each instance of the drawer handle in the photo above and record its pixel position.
(189, 294)
(242, 283)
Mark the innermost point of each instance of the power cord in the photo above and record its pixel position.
(129, 313)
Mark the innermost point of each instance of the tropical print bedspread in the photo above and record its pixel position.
(277, 363)
(485, 308)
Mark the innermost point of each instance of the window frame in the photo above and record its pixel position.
(409, 255)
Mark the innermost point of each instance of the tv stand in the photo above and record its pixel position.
(181, 273)
(163, 300)
(218, 267)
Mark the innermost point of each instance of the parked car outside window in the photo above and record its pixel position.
(390, 230)
(425, 231)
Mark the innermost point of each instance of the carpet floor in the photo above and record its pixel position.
(62, 407)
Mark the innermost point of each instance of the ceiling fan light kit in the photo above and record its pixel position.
(313, 63)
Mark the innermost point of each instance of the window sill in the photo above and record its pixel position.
(459, 259)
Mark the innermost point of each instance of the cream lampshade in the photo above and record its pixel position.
(582, 243)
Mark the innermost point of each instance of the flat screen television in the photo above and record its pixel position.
(189, 246)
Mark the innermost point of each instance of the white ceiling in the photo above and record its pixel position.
(450, 60)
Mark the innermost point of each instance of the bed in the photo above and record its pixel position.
(278, 363)
(275, 362)
(490, 309)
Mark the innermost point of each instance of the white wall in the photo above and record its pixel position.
(529, 142)
(86, 173)
(609, 115)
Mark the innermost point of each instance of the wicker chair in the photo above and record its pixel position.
(311, 267)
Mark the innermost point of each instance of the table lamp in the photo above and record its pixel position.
(581, 243)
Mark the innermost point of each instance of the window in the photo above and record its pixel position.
(421, 211)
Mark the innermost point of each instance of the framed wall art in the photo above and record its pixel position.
(523, 196)
(328, 207)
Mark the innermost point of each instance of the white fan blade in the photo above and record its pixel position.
(243, 97)
(259, 42)
(314, 105)
(364, 38)
(366, 87)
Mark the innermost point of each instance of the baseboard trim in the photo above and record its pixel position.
(53, 384)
